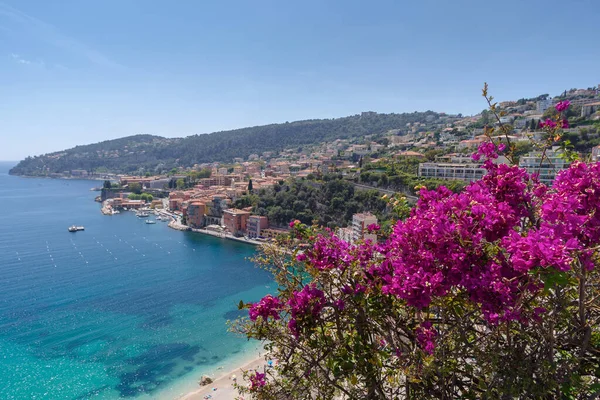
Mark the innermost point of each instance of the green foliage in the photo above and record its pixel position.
(330, 202)
(180, 183)
(135, 187)
(147, 197)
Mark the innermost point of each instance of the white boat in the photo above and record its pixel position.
(149, 221)
(143, 214)
(76, 228)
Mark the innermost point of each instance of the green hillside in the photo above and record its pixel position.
(156, 153)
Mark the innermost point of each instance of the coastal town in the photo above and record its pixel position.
(212, 198)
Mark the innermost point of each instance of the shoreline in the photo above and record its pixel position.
(223, 382)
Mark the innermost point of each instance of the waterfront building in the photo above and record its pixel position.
(360, 222)
(236, 221)
(195, 214)
(256, 224)
(271, 233)
(547, 164)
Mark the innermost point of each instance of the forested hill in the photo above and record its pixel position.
(128, 154)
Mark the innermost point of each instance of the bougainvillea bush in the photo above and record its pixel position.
(488, 293)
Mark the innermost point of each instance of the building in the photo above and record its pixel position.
(195, 214)
(596, 154)
(236, 221)
(256, 224)
(79, 172)
(345, 234)
(360, 222)
(547, 166)
(543, 105)
(452, 170)
(214, 213)
(162, 183)
(271, 233)
(589, 109)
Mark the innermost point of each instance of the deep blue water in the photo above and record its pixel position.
(120, 310)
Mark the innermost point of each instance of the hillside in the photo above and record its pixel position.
(157, 153)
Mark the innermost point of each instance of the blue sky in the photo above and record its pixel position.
(76, 72)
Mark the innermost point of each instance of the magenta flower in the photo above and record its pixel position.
(373, 227)
(501, 147)
(426, 337)
(301, 257)
(268, 306)
(294, 223)
(548, 124)
(562, 105)
(257, 381)
(565, 124)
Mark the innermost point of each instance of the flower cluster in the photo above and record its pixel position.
(562, 105)
(373, 228)
(304, 305)
(268, 306)
(426, 337)
(257, 381)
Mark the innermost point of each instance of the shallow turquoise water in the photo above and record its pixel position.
(120, 310)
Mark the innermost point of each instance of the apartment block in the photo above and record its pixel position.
(256, 224)
(547, 164)
(236, 221)
(360, 222)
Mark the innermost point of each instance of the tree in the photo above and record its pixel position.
(180, 183)
(250, 190)
(135, 187)
(106, 185)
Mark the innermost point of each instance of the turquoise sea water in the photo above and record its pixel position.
(120, 310)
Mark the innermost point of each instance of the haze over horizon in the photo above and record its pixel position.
(80, 72)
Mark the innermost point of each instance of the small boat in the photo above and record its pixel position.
(76, 228)
(149, 221)
(143, 214)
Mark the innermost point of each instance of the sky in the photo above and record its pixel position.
(77, 72)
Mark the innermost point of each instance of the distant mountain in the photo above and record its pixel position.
(153, 153)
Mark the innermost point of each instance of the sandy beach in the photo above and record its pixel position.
(224, 383)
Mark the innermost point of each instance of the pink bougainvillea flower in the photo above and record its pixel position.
(562, 105)
(268, 306)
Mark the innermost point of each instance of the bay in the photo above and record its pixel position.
(121, 310)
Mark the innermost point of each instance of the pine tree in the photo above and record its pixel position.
(250, 186)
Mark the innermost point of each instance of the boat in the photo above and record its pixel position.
(76, 228)
(143, 214)
(149, 221)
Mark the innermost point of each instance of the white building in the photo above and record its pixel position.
(360, 222)
(547, 166)
(543, 105)
(460, 167)
(596, 154)
(345, 234)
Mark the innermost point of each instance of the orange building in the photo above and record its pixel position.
(195, 214)
(235, 220)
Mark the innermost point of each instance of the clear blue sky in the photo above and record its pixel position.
(76, 72)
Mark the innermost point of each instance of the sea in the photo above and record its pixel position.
(120, 310)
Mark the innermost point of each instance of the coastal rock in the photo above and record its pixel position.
(205, 380)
